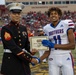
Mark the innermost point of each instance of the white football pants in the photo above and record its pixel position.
(62, 63)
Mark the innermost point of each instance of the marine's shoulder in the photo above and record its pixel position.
(5, 26)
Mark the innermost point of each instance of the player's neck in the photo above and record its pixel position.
(55, 22)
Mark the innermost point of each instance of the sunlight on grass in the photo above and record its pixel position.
(1, 53)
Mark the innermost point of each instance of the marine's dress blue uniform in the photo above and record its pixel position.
(15, 61)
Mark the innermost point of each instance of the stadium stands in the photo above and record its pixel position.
(35, 20)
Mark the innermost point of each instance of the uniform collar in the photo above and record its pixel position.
(14, 23)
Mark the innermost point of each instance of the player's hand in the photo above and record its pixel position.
(35, 60)
(48, 43)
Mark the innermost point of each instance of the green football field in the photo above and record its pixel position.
(1, 52)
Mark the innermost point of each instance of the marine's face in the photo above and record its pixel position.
(15, 17)
(54, 17)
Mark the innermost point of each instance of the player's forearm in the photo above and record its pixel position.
(65, 46)
(45, 55)
(70, 45)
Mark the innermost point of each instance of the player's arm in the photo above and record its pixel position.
(45, 55)
(70, 38)
(70, 45)
(70, 35)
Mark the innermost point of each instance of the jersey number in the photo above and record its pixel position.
(57, 39)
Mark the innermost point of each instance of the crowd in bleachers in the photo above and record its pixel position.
(34, 20)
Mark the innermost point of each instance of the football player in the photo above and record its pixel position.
(61, 42)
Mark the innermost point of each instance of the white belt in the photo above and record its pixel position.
(9, 51)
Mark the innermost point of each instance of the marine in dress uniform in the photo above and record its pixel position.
(17, 55)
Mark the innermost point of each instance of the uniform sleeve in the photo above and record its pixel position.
(70, 24)
(9, 43)
(27, 46)
(45, 33)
